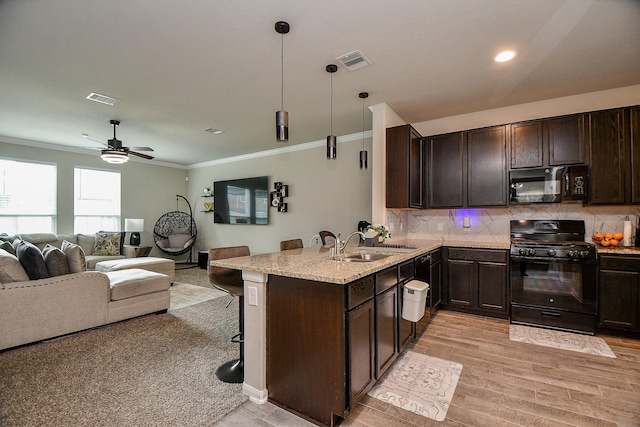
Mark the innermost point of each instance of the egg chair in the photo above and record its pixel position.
(175, 232)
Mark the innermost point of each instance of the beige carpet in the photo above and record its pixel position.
(421, 384)
(563, 340)
(157, 370)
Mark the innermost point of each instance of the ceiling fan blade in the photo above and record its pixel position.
(141, 148)
(144, 156)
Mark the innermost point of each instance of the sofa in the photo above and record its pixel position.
(86, 241)
(48, 293)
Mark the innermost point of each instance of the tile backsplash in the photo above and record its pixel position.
(492, 224)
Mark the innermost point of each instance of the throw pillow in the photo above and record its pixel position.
(123, 234)
(7, 246)
(10, 268)
(75, 257)
(56, 261)
(107, 244)
(32, 260)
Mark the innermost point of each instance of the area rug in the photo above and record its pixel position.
(155, 370)
(558, 339)
(185, 294)
(421, 384)
(192, 275)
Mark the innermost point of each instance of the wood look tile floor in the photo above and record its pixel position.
(503, 383)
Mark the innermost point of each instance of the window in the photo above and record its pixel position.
(27, 197)
(97, 200)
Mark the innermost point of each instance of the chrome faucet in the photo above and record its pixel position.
(339, 245)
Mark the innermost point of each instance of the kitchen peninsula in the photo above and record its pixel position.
(330, 328)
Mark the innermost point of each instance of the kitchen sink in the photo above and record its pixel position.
(361, 257)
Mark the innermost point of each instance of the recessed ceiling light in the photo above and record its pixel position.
(213, 131)
(505, 56)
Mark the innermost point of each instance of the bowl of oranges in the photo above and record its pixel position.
(608, 239)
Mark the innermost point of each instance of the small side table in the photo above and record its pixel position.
(203, 258)
(135, 251)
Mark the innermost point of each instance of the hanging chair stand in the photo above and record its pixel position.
(175, 232)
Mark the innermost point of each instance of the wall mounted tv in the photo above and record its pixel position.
(241, 201)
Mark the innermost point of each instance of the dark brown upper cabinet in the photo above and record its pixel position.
(446, 154)
(609, 157)
(406, 164)
(555, 141)
(635, 154)
(487, 167)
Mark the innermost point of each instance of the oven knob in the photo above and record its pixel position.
(584, 254)
(522, 251)
(531, 252)
(551, 252)
(572, 254)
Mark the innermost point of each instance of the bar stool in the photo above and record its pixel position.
(291, 244)
(230, 281)
(327, 237)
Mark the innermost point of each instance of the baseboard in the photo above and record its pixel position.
(256, 396)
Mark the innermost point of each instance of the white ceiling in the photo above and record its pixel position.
(179, 67)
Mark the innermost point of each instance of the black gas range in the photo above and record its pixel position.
(553, 275)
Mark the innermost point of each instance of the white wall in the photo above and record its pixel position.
(148, 190)
(323, 195)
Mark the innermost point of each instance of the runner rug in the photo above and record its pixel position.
(558, 339)
(421, 384)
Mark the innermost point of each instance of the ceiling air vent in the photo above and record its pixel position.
(103, 99)
(354, 60)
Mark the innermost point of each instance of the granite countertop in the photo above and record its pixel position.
(618, 250)
(316, 264)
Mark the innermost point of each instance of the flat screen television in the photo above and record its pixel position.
(241, 201)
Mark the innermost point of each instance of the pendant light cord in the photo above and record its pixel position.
(282, 73)
(331, 106)
(363, 123)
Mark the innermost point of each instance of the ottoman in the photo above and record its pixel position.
(134, 292)
(159, 265)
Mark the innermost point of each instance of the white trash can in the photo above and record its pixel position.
(414, 300)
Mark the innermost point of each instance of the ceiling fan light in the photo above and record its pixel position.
(114, 157)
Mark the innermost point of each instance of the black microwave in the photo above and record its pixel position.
(549, 185)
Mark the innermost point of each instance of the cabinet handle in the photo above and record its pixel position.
(550, 314)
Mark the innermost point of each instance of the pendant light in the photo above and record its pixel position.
(332, 142)
(282, 117)
(363, 153)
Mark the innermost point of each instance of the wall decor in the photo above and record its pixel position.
(277, 196)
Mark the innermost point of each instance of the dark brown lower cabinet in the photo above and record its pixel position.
(307, 347)
(327, 344)
(361, 327)
(477, 281)
(619, 296)
(386, 329)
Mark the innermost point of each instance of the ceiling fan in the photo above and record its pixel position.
(117, 153)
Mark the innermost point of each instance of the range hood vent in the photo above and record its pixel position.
(354, 60)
